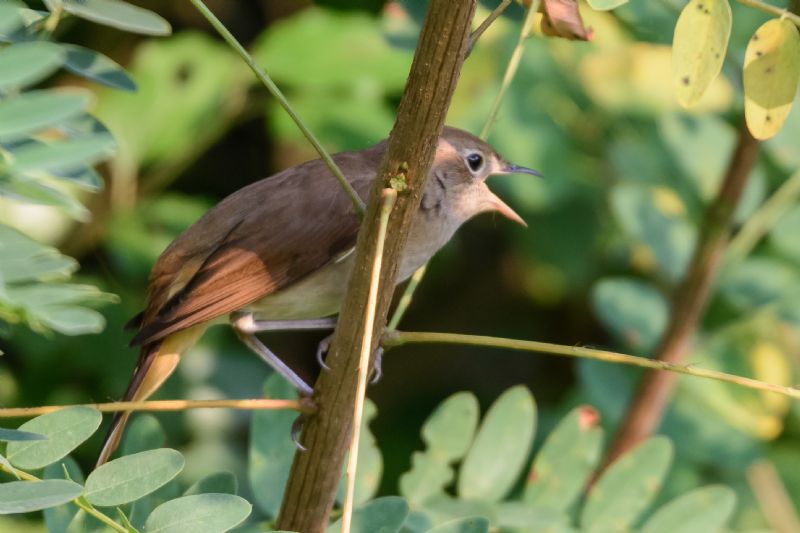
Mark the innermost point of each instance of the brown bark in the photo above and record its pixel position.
(315, 474)
(689, 302)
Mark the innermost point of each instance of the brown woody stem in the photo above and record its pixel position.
(689, 301)
(315, 474)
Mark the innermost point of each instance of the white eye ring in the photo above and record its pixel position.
(474, 162)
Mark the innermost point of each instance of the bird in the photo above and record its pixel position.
(277, 254)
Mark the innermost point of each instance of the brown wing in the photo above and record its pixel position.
(263, 237)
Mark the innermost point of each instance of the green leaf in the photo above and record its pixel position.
(783, 235)
(64, 156)
(57, 519)
(4, 462)
(96, 67)
(447, 433)
(218, 482)
(27, 496)
(373, 65)
(144, 432)
(699, 47)
(443, 508)
(634, 311)
(500, 450)
(702, 510)
(65, 430)
(120, 15)
(58, 306)
(567, 459)
(771, 72)
(655, 217)
(37, 110)
(130, 477)
(606, 5)
(25, 259)
(627, 487)
(24, 64)
(758, 281)
(381, 515)
(10, 18)
(271, 448)
(463, 525)
(16, 435)
(200, 513)
(35, 192)
(522, 517)
(428, 477)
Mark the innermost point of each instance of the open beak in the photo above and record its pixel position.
(499, 205)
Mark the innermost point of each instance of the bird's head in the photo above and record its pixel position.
(457, 183)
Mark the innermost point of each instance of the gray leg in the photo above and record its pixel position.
(243, 326)
(248, 323)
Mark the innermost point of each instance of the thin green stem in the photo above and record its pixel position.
(475, 35)
(264, 78)
(77, 501)
(772, 10)
(395, 338)
(764, 218)
(389, 196)
(408, 295)
(511, 68)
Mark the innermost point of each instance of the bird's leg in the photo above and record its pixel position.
(252, 325)
(377, 358)
(245, 328)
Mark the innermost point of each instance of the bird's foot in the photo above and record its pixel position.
(377, 358)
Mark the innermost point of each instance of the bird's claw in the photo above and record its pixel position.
(297, 428)
(322, 350)
(377, 360)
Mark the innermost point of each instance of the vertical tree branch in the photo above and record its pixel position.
(441, 50)
(689, 301)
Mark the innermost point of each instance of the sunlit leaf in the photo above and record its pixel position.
(27, 496)
(24, 64)
(65, 430)
(200, 513)
(771, 72)
(605, 5)
(699, 47)
(121, 15)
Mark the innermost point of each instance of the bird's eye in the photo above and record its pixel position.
(475, 161)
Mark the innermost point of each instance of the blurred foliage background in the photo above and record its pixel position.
(611, 227)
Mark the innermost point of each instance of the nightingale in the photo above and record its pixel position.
(277, 255)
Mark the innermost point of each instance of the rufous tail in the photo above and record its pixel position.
(157, 361)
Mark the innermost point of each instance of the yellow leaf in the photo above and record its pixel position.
(698, 47)
(771, 70)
